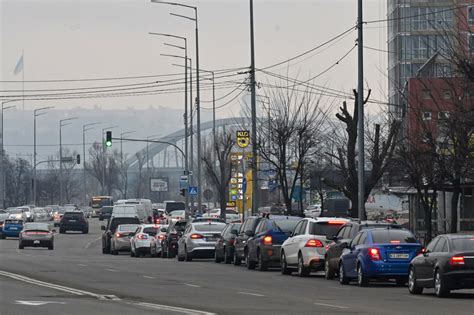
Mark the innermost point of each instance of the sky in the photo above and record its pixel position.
(90, 39)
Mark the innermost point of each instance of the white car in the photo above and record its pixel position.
(18, 214)
(305, 249)
(230, 215)
(313, 211)
(199, 240)
(140, 241)
(176, 215)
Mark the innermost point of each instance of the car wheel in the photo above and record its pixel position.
(51, 246)
(249, 263)
(262, 264)
(217, 259)
(441, 289)
(284, 267)
(342, 275)
(362, 280)
(179, 257)
(86, 231)
(302, 270)
(132, 254)
(164, 254)
(62, 231)
(152, 252)
(328, 273)
(401, 282)
(237, 260)
(2, 236)
(227, 256)
(20, 246)
(413, 288)
(187, 256)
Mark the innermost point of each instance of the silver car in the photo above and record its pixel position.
(155, 242)
(120, 241)
(199, 240)
(36, 235)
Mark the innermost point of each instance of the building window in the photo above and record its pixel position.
(443, 115)
(426, 115)
(471, 42)
(470, 14)
(426, 94)
(447, 94)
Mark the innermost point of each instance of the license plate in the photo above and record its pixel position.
(13, 228)
(72, 220)
(36, 242)
(211, 239)
(399, 256)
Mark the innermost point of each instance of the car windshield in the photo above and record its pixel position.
(180, 227)
(13, 221)
(150, 231)
(107, 209)
(215, 211)
(177, 213)
(127, 228)
(286, 225)
(324, 228)
(386, 236)
(209, 227)
(173, 206)
(463, 244)
(118, 221)
(36, 226)
(72, 215)
(14, 211)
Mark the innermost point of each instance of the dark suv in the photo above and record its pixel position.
(74, 221)
(343, 237)
(105, 213)
(169, 245)
(247, 230)
(110, 230)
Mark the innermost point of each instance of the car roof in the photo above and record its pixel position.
(208, 223)
(331, 219)
(458, 235)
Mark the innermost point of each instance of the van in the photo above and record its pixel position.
(129, 211)
(146, 203)
(171, 206)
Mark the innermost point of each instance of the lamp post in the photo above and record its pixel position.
(61, 125)
(104, 160)
(37, 112)
(85, 128)
(2, 153)
(121, 143)
(198, 96)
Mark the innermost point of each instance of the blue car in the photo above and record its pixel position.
(264, 248)
(11, 228)
(378, 253)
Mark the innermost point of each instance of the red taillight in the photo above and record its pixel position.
(326, 247)
(157, 221)
(196, 236)
(314, 243)
(336, 222)
(142, 236)
(395, 242)
(161, 236)
(374, 254)
(456, 260)
(119, 235)
(35, 233)
(268, 240)
(232, 241)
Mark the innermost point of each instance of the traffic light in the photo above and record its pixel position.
(78, 159)
(108, 139)
(182, 192)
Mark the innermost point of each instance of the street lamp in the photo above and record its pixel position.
(198, 96)
(85, 128)
(121, 143)
(36, 113)
(104, 160)
(61, 125)
(3, 151)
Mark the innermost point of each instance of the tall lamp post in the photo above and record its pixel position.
(104, 160)
(85, 128)
(198, 96)
(37, 112)
(121, 143)
(62, 123)
(3, 152)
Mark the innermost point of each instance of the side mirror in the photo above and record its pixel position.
(235, 232)
(344, 245)
(53, 230)
(249, 233)
(102, 227)
(331, 238)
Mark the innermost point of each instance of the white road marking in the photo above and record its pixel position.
(82, 265)
(37, 303)
(148, 277)
(339, 288)
(90, 243)
(192, 285)
(331, 305)
(173, 309)
(112, 270)
(252, 294)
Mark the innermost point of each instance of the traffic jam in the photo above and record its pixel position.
(338, 248)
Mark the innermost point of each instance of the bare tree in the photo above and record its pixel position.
(221, 173)
(141, 160)
(104, 167)
(17, 177)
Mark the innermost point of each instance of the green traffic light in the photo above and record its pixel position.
(108, 143)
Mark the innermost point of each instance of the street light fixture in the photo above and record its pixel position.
(85, 128)
(61, 125)
(36, 113)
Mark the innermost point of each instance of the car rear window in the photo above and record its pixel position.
(118, 221)
(286, 225)
(178, 213)
(209, 227)
(324, 228)
(173, 206)
(107, 209)
(127, 228)
(36, 226)
(13, 221)
(180, 226)
(72, 215)
(463, 244)
(151, 231)
(386, 236)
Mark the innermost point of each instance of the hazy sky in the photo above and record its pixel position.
(109, 38)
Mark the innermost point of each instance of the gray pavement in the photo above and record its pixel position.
(198, 286)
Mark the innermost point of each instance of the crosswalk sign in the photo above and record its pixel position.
(193, 190)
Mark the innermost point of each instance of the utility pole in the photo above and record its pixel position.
(36, 114)
(2, 181)
(254, 115)
(360, 113)
(61, 125)
(84, 184)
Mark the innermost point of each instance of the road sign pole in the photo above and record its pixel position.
(243, 179)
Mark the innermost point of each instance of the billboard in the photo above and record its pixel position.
(158, 184)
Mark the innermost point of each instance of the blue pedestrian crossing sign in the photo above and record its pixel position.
(193, 190)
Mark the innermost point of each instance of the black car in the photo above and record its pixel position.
(111, 227)
(343, 237)
(225, 244)
(446, 264)
(169, 245)
(105, 213)
(247, 230)
(74, 221)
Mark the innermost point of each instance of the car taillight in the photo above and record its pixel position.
(35, 233)
(326, 247)
(268, 240)
(314, 243)
(395, 242)
(157, 221)
(119, 235)
(232, 241)
(196, 236)
(142, 236)
(456, 260)
(161, 237)
(374, 254)
(336, 222)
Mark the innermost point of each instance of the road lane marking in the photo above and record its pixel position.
(37, 303)
(252, 294)
(112, 270)
(93, 241)
(339, 288)
(173, 309)
(148, 277)
(331, 305)
(82, 265)
(192, 285)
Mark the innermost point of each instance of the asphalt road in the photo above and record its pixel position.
(76, 278)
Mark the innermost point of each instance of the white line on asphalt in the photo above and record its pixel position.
(331, 305)
(252, 294)
(173, 309)
(192, 285)
(112, 270)
(148, 277)
(90, 243)
(37, 303)
(339, 288)
(82, 265)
